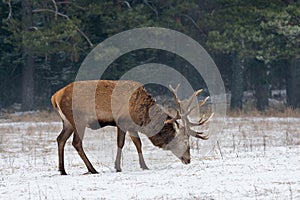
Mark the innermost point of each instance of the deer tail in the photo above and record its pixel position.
(53, 101)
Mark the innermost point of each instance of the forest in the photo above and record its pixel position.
(254, 43)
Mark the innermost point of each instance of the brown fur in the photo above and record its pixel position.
(162, 138)
(139, 103)
(78, 113)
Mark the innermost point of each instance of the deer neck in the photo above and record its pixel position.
(164, 136)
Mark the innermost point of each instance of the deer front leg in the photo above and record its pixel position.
(120, 141)
(137, 142)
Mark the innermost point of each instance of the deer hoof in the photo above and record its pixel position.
(87, 173)
(63, 173)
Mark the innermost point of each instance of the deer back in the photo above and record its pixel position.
(92, 102)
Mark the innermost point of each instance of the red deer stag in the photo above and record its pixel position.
(142, 110)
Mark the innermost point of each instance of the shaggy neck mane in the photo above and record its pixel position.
(164, 136)
(153, 115)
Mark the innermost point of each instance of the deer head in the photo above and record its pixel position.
(180, 144)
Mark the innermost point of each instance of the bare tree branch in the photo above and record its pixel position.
(151, 7)
(127, 4)
(52, 11)
(10, 10)
(68, 18)
(193, 21)
(56, 9)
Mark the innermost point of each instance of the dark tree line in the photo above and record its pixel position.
(255, 44)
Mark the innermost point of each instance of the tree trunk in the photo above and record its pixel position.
(261, 85)
(262, 96)
(28, 83)
(28, 63)
(293, 84)
(236, 101)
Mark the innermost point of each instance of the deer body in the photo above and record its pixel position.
(98, 103)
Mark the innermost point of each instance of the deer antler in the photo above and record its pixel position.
(173, 119)
(193, 96)
(202, 120)
(187, 110)
(174, 92)
(199, 135)
(178, 102)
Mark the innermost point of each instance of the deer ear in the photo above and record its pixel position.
(173, 122)
(176, 126)
(168, 121)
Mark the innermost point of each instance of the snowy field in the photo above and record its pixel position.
(257, 158)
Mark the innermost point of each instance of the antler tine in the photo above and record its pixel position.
(201, 135)
(196, 93)
(201, 121)
(197, 134)
(201, 103)
(177, 101)
(174, 92)
(170, 121)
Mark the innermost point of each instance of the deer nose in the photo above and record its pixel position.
(185, 160)
(188, 161)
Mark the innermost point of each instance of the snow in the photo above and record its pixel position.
(257, 158)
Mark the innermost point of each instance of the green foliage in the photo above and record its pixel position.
(60, 35)
(255, 29)
(250, 29)
(57, 36)
(284, 26)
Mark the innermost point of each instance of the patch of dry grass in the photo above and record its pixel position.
(271, 112)
(38, 116)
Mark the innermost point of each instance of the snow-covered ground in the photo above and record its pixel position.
(257, 158)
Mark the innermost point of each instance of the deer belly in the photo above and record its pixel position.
(100, 124)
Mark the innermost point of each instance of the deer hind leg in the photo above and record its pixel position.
(77, 143)
(138, 144)
(120, 141)
(61, 141)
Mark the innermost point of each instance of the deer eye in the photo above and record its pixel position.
(186, 142)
